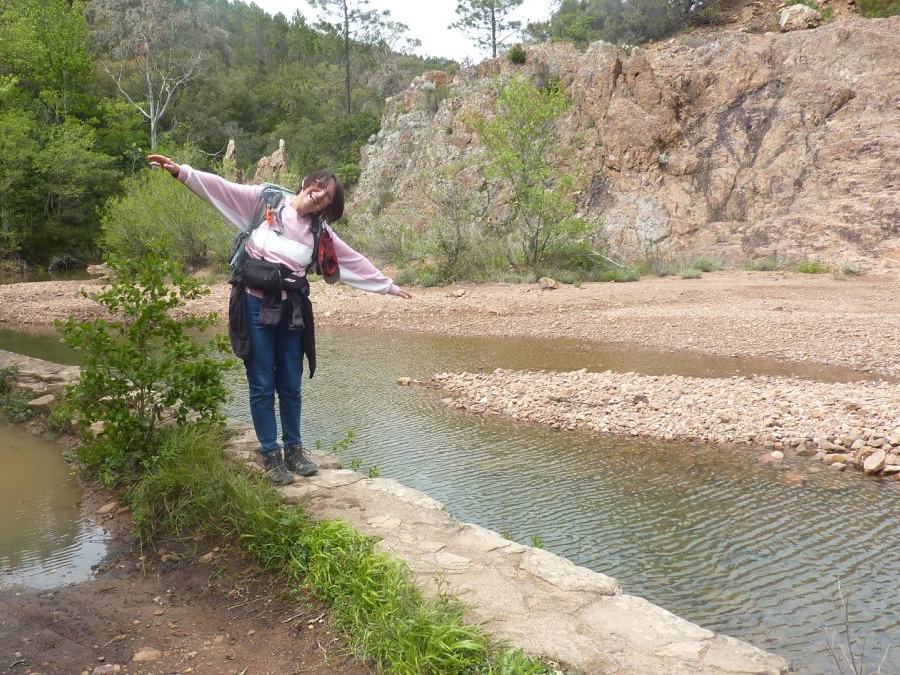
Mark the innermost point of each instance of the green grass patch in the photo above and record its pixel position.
(878, 9)
(705, 264)
(767, 264)
(691, 273)
(812, 267)
(826, 12)
(13, 401)
(374, 603)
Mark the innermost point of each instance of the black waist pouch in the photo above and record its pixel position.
(261, 274)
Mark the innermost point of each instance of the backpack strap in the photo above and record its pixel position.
(315, 227)
(270, 198)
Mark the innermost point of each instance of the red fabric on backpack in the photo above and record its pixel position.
(328, 262)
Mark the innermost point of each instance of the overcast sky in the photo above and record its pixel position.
(427, 21)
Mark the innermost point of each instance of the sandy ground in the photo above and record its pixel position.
(185, 606)
(852, 322)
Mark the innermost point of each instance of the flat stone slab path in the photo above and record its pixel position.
(528, 597)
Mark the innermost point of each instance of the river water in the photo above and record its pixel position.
(708, 533)
(45, 540)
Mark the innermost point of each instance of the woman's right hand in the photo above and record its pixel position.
(164, 162)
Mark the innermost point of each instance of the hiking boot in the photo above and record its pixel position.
(275, 468)
(296, 460)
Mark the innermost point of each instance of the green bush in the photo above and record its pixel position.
(157, 215)
(690, 273)
(878, 9)
(516, 55)
(143, 368)
(812, 267)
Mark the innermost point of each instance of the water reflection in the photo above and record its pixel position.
(707, 533)
(45, 541)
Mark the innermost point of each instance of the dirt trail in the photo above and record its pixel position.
(851, 322)
(184, 612)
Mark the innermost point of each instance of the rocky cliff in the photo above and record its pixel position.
(731, 144)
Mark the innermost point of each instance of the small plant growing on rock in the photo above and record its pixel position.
(374, 472)
(516, 55)
(143, 370)
(537, 541)
(13, 401)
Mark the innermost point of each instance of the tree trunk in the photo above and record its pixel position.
(494, 30)
(347, 58)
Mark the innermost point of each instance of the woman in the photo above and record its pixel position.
(271, 327)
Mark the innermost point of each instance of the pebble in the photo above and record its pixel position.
(749, 410)
(107, 508)
(145, 654)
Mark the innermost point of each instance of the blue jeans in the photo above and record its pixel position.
(275, 365)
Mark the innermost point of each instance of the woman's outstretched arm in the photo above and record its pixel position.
(357, 271)
(237, 203)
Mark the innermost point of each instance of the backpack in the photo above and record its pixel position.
(270, 198)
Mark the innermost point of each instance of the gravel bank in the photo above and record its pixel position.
(795, 317)
(852, 424)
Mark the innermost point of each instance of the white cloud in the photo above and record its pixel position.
(427, 21)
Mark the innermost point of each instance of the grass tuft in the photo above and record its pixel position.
(812, 267)
(705, 264)
(767, 264)
(691, 273)
(374, 603)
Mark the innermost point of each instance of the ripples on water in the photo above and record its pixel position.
(707, 533)
(45, 541)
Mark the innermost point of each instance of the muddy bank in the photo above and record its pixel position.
(185, 607)
(844, 424)
(795, 317)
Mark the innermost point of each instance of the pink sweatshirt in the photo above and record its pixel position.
(292, 247)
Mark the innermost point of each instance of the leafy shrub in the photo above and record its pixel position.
(878, 9)
(691, 273)
(143, 369)
(156, 215)
(516, 55)
(13, 401)
(812, 267)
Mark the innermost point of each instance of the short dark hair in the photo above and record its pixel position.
(335, 209)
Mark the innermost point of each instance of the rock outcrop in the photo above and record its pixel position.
(730, 144)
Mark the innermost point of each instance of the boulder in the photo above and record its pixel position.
(548, 284)
(42, 403)
(798, 17)
(875, 462)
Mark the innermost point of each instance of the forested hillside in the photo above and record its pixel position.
(86, 89)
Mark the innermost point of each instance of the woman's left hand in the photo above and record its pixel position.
(403, 294)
